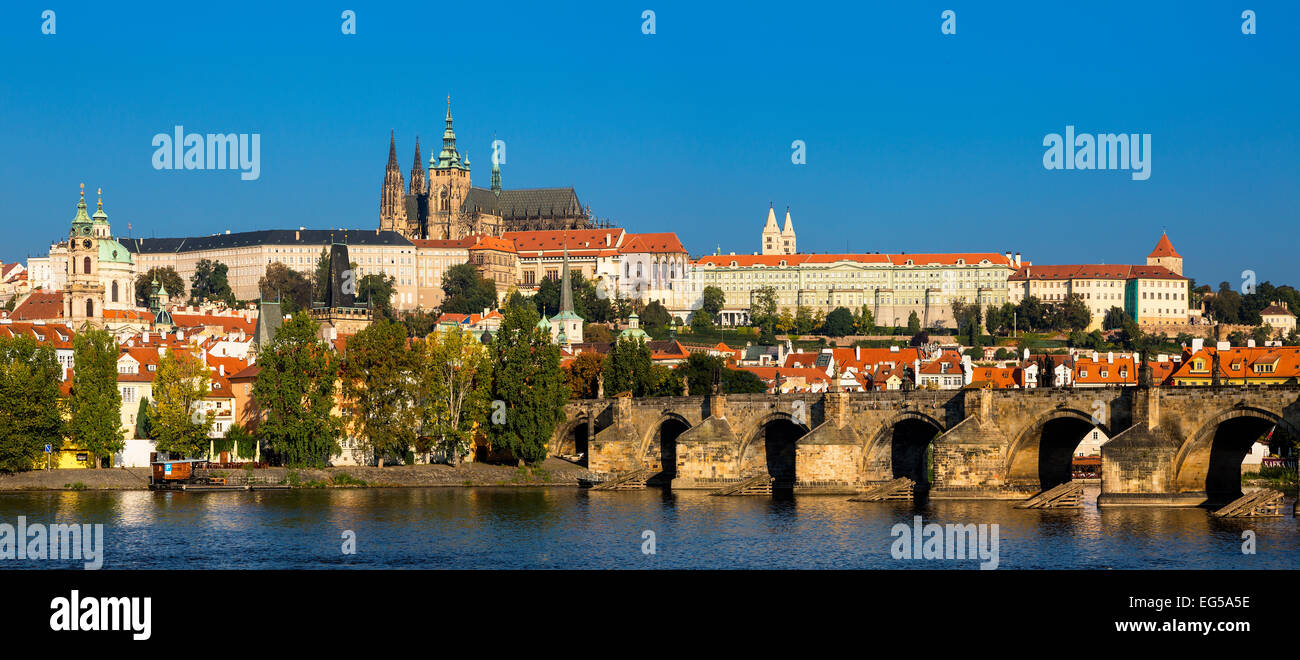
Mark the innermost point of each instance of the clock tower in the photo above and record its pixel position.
(85, 293)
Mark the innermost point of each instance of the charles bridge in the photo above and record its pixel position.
(1168, 446)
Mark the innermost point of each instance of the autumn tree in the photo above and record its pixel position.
(178, 421)
(583, 375)
(453, 378)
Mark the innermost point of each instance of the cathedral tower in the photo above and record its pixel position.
(448, 185)
(771, 234)
(392, 199)
(787, 235)
(417, 172)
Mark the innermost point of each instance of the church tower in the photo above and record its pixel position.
(448, 185)
(392, 199)
(417, 172)
(787, 235)
(85, 290)
(771, 234)
(1165, 255)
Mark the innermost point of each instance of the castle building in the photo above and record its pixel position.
(441, 203)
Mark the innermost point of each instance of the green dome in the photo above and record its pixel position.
(110, 251)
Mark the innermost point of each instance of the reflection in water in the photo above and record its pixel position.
(574, 528)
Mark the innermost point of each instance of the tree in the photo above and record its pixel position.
(712, 301)
(864, 322)
(1261, 334)
(627, 369)
(465, 291)
(321, 282)
(839, 322)
(166, 276)
(419, 323)
(376, 289)
(804, 323)
(179, 387)
(96, 405)
(286, 285)
(528, 387)
(785, 322)
(763, 315)
(664, 381)
(1115, 319)
(1075, 313)
(913, 323)
(583, 375)
(655, 319)
(596, 332)
(30, 406)
(453, 378)
(294, 391)
(210, 283)
(143, 426)
(377, 373)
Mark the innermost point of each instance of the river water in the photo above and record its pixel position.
(530, 528)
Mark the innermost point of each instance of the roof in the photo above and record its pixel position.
(663, 242)
(1093, 271)
(1275, 309)
(522, 203)
(580, 242)
(227, 323)
(39, 305)
(493, 243)
(310, 237)
(443, 242)
(57, 334)
(1164, 248)
(903, 259)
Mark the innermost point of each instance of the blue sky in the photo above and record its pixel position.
(916, 141)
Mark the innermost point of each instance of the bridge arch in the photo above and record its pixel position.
(1041, 455)
(901, 448)
(1210, 459)
(770, 448)
(659, 444)
(574, 437)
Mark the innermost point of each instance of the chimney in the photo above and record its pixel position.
(1110, 357)
(162, 350)
(1250, 343)
(221, 370)
(297, 235)
(857, 353)
(1017, 260)
(1009, 259)
(1198, 343)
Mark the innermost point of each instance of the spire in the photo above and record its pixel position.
(771, 219)
(417, 171)
(81, 218)
(496, 177)
(789, 226)
(448, 157)
(566, 289)
(392, 150)
(100, 216)
(392, 197)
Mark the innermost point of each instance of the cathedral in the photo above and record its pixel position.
(441, 203)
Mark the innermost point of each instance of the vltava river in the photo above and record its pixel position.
(512, 528)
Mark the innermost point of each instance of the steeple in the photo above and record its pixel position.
(566, 289)
(787, 234)
(496, 169)
(81, 220)
(771, 234)
(449, 157)
(392, 197)
(417, 172)
(567, 325)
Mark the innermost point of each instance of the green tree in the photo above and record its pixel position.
(166, 276)
(377, 373)
(377, 289)
(839, 322)
(143, 426)
(1075, 314)
(321, 281)
(627, 368)
(655, 319)
(287, 285)
(1115, 319)
(465, 291)
(179, 387)
(30, 406)
(453, 378)
(294, 392)
(419, 323)
(864, 322)
(96, 405)
(712, 301)
(528, 386)
(763, 314)
(804, 323)
(210, 283)
(913, 323)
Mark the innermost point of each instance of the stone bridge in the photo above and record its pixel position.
(1167, 447)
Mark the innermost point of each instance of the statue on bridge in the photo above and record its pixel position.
(1144, 371)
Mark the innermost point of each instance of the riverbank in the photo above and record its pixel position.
(551, 472)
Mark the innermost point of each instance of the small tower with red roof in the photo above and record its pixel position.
(1165, 255)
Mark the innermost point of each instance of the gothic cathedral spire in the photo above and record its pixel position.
(417, 172)
(392, 199)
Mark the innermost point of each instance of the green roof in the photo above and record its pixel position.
(110, 251)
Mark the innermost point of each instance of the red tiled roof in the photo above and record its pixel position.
(493, 243)
(443, 243)
(659, 242)
(1092, 271)
(40, 305)
(921, 259)
(1164, 248)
